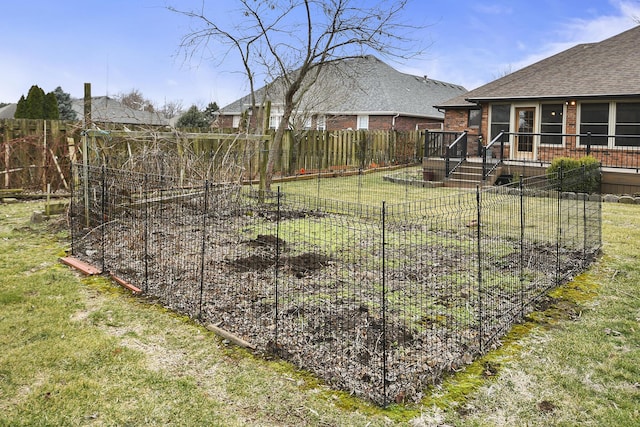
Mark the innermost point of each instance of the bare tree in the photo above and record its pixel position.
(135, 100)
(172, 108)
(503, 72)
(289, 42)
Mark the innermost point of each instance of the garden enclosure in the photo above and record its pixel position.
(377, 298)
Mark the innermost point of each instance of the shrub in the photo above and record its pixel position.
(578, 175)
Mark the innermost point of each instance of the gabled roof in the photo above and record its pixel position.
(104, 110)
(108, 110)
(8, 111)
(363, 85)
(610, 68)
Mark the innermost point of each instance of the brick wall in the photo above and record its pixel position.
(402, 123)
(484, 122)
(456, 120)
(225, 121)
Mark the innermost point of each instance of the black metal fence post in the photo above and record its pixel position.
(426, 144)
(72, 217)
(447, 162)
(600, 205)
(276, 269)
(384, 306)
(479, 243)
(584, 214)
(559, 221)
(103, 219)
(145, 193)
(203, 244)
(482, 151)
(522, 226)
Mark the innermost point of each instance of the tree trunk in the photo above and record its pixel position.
(274, 150)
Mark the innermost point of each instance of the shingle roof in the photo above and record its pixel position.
(609, 68)
(105, 109)
(365, 85)
(8, 111)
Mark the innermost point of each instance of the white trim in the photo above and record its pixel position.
(362, 122)
(274, 121)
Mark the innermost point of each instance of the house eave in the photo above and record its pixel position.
(357, 113)
(379, 113)
(563, 97)
(471, 106)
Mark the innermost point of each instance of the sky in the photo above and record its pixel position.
(122, 45)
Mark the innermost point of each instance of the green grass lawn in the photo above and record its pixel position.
(82, 351)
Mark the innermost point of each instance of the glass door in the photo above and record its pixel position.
(523, 141)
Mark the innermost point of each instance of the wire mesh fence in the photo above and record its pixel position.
(379, 299)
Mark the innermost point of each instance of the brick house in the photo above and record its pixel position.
(354, 93)
(588, 95)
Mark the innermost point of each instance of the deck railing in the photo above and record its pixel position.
(452, 146)
(613, 151)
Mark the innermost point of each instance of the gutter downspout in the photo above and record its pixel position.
(393, 121)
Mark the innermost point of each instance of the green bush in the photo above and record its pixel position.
(578, 175)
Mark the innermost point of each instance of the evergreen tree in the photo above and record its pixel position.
(210, 111)
(35, 103)
(65, 108)
(50, 107)
(193, 118)
(21, 108)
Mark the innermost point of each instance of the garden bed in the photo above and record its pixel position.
(380, 310)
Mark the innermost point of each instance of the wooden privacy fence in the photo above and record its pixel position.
(241, 156)
(35, 154)
(325, 150)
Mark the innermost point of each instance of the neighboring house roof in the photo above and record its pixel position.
(108, 110)
(8, 111)
(362, 85)
(610, 68)
(103, 110)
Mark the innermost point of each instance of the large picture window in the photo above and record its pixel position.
(594, 118)
(500, 119)
(628, 124)
(551, 123)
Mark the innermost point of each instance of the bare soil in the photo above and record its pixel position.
(383, 330)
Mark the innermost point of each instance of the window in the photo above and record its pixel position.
(363, 122)
(594, 118)
(321, 122)
(236, 122)
(500, 119)
(627, 123)
(274, 121)
(474, 118)
(307, 123)
(551, 122)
